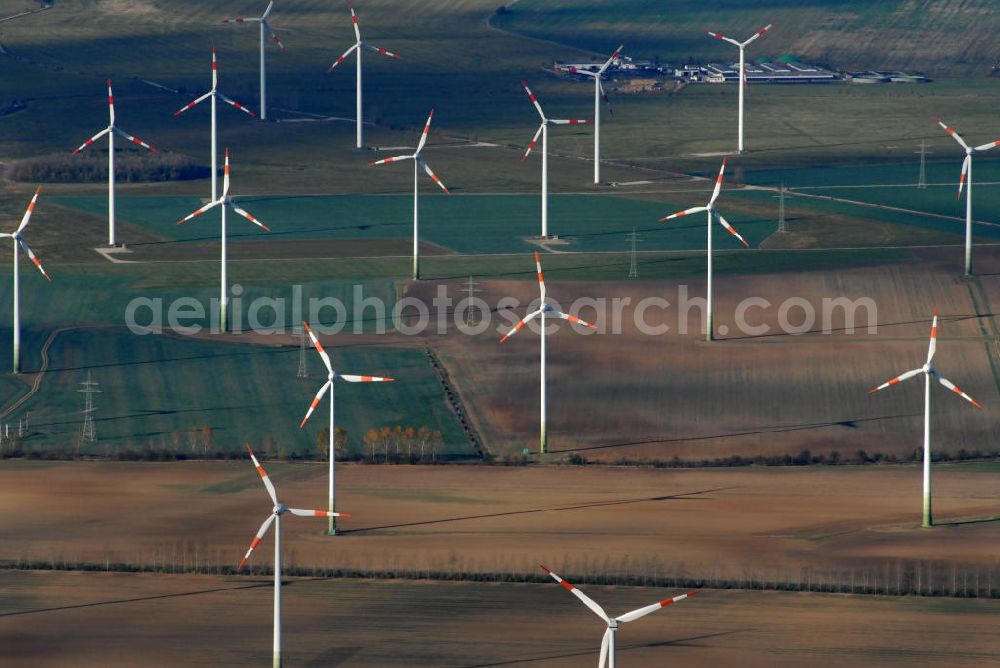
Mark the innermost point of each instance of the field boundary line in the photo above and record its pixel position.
(982, 313)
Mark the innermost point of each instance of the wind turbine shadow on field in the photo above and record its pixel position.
(974, 520)
(921, 321)
(679, 642)
(850, 423)
(684, 496)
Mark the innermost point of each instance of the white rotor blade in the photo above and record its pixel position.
(932, 346)
(723, 37)
(757, 34)
(729, 228)
(354, 21)
(610, 60)
(570, 121)
(319, 347)
(134, 140)
(92, 140)
(225, 178)
(364, 379)
(986, 147)
(189, 105)
(718, 183)
(541, 278)
(897, 380)
(430, 173)
(29, 210)
(645, 610)
(267, 12)
(607, 100)
(111, 105)
(951, 386)
(274, 35)
(685, 212)
(965, 173)
(263, 476)
(236, 104)
(605, 646)
(341, 59)
(379, 50)
(534, 100)
(256, 540)
(534, 140)
(315, 402)
(199, 211)
(32, 257)
(587, 601)
(249, 217)
(316, 513)
(954, 134)
(386, 161)
(427, 129)
(524, 321)
(571, 318)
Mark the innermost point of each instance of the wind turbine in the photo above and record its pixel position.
(710, 209)
(928, 370)
(743, 72)
(275, 519)
(608, 642)
(598, 94)
(543, 130)
(418, 162)
(357, 46)
(214, 93)
(543, 309)
(265, 29)
(967, 176)
(224, 202)
(19, 240)
(331, 377)
(110, 131)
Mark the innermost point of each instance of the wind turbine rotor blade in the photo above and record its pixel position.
(757, 34)
(965, 173)
(605, 646)
(246, 215)
(199, 211)
(364, 379)
(192, 104)
(718, 182)
(524, 321)
(32, 257)
(274, 35)
(379, 50)
(572, 318)
(225, 177)
(986, 147)
(434, 177)
(951, 386)
(319, 347)
(342, 58)
(730, 228)
(645, 610)
(534, 140)
(135, 140)
(386, 161)
(354, 21)
(534, 100)
(541, 277)
(587, 601)
(607, 100)
(29, 210)
(234, 103)
(954, 134)
(111, 105)
(267, 12)
(897, 380)
(256, 540)
(570, 121)
(315, 402)
(92, 140)
(240, 19)
(427, 129)
(932, 346)
(611, 59)
(685, 212)
(316, 513)
(263, 476)
(723, 37)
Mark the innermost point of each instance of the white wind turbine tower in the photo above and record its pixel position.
(929, 371)
(598, 94)
(357, 46)
(331, 378)
(214, 94)
(265, 30)
(543, 130)
(543, 309)
(110, 131)
(275, 519)
(966, 179)
(224, 202)
(711, 212)
(418, 162)
(743, 72)
(608, 642)
(16, 237)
